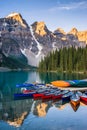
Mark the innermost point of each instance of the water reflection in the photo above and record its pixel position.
(8, 81)
(75, 107)
(41, 108)
(49, 77)
(16, 111)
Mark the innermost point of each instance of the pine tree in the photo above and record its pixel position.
(65, 59)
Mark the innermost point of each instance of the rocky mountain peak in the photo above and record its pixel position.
(17, 17)
(13, 14)
(74, 31)
(31, 43)
(82, 36)
(40, 28)
(60, 30)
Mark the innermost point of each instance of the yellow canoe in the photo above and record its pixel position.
(60, 83)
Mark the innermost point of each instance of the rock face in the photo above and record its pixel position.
(40, 28)
(81, 35)
(19, 40)
(15, 36)
(18, 18)
(74, 31)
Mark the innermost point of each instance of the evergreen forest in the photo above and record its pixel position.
(65, 60)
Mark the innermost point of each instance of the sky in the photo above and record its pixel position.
(64, 14)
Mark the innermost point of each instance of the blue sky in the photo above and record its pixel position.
(64, 14)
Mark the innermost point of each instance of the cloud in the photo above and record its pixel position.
(70, 6)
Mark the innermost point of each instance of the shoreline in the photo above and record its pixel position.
(73, 72)
(4, 69)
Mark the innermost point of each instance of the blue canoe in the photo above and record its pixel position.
(24, 85)
(22, 95)
(67, 96)
(78, 83)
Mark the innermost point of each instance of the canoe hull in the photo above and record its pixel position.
(22, 95)
(83, 98)
(24, 85)
(66, 98)
(47, 97)
(75, 107)
(75, 103)
(60, 83)
(37, 96)
(57, 97)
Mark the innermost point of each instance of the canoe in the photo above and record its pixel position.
(67, 96)
(79, 93)
(68, 83)
(83, 97)
(58, 96)
(60, 83)
(39, 84)
(64, 91)
(47, 96)
(75, 99)
(38, 96)
(75, 108)
(24, 85)
(80, 83)
(27, 91)
(22, 95)
(41, 90)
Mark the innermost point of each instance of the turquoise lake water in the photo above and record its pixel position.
(28, 114)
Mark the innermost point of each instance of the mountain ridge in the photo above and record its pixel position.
(35, 41)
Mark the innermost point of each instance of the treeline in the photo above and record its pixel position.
(66, 59)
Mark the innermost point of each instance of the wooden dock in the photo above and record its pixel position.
(74, 88)
(70, 88)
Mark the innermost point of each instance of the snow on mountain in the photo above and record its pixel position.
(12, 15)
(17, 17)
(30, 56)
(38, 44)
(32, 59)
(35, 41)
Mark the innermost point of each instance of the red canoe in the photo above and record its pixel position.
(27, 91)
(38, 95)
(57, 96)
(83, 97)
(47, 97)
